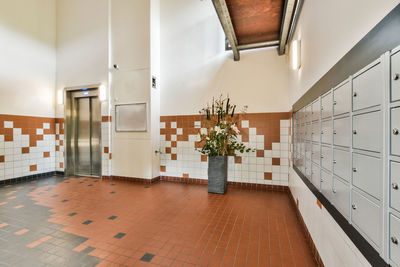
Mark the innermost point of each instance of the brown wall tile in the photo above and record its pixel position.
(106, 118)
(163, 169)
(260, 153)
(106, 150)
(33, 168)
(267, 175)
(46, 154)
(204, 158)
(25, 150)
(2, 159)
(238, 160)
(276, 161)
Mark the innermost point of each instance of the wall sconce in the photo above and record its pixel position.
(60, 97)
(295, 54)
(102, 93)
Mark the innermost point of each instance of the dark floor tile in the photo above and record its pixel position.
(147, 257)
(87, 222)
(119, 235)
(88, 250)
(72, 214)
(113, 217)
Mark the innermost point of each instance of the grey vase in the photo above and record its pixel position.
(217, 174)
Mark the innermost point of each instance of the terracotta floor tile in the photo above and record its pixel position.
(21, 232)
(181, 224)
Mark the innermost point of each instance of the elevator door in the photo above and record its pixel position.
(86, 136)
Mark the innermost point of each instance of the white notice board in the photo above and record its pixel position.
(131, 117)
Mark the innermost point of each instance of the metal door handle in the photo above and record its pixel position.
(395, 186)
(354, 131)
(395, 131)
(354, 169)
(396, 76)
(354, 206)
(394, 240)
(354, 94)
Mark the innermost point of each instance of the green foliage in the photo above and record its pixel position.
(220, 138)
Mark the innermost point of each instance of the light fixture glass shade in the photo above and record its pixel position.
(102, 92)
(295, 54)
(60, 97)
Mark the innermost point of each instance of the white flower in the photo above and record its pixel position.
(235, 129)
(218, 129)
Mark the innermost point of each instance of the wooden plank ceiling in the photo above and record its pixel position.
(256, 21)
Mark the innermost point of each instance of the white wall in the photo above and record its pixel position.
(328, 30)
(334, 246)
(82, 43)
(195, 66)
(28, 59)
(130, 49)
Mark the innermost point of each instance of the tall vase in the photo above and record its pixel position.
(217, 174)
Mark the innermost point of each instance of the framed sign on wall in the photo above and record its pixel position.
(131, 117)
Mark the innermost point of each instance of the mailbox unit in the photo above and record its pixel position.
(347, 143)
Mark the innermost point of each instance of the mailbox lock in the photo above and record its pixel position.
(396, 76)
(354, 169)
(354, 94)
(334, 191)
(322, 132)
(334, 102)
(394, 240)
(395, 131)
(334, 131)
(354, 206)
(354, 131)
(395, 186)
(322, 156)
(334, 161)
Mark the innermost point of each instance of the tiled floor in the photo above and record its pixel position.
(88, 222)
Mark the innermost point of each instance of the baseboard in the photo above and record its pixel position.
(248, 186)
(310, 241)
(27, 178)
(132, 179)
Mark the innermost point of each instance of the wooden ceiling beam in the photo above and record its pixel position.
(226, 22)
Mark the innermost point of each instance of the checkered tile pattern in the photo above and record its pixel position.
(27, 146)
(60, 148)
(106, 144)
(267, 133)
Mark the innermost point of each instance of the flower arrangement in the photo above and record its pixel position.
(220, 137)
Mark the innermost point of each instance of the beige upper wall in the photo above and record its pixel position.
(328, 30)
(82, 43)
(195, 66)
(28, 57)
